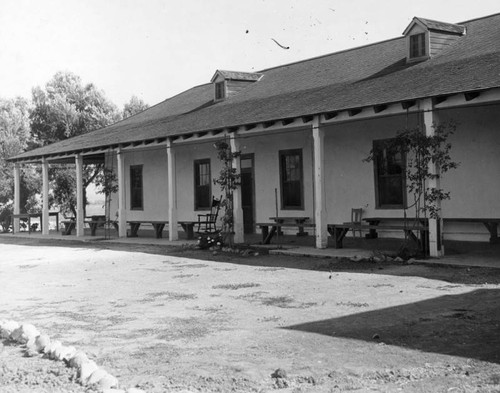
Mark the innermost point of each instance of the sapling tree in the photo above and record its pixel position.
(427, 159)
(228, 180)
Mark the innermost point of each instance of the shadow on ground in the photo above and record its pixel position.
(465, 325)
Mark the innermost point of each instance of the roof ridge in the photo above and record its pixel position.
(437, 21)
(330, 54)
(479, 18)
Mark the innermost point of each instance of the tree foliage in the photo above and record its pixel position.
(67, 108)
(14, 138)
(228, 180)
(134, 106)
(63, 109)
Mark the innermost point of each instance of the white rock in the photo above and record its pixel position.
(41, 342)
(78, 359)
(112, 390)
(135, 390)
(108, 381)
(96, 376)
(24, 333)
(86, 370)
(52, 348)
(64, 353)
(7, 327)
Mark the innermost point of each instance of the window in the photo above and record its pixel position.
(136, 202)
(202, 185)
(417, 45)
(390, 185)
(220, 91)
(292, 193)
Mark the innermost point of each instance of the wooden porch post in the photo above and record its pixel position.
(436, 248)
(79, 196)
(320, 216)
(17, 196)
(45, 197)
(173, 231)
(122, 212)
(237, 207)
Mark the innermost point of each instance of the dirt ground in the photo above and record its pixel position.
(172, 319)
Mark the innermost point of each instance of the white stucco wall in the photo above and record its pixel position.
(155, 184)
(474, 187)
(349, 180)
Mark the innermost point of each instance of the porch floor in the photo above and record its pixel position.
(474, 254)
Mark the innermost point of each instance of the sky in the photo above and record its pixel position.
(155, 49)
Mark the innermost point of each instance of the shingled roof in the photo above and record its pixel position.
(441, 26)
(370, 75)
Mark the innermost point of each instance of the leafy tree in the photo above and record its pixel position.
(67, 108)
(423, 152)
(14, 138)
(228, 180)
(134, 106)
(64, 109)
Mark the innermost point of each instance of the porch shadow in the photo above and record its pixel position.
(464, 325)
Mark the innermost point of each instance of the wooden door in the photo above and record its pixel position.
(247, 192)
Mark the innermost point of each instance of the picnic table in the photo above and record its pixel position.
(28, 216)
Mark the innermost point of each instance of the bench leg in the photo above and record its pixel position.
(134, 228)
(189, 229)
(159, 230)
(493, 230)
(338, 235)
(93, 228)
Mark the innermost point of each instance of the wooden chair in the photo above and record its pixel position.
(208, 222)
(356, 219)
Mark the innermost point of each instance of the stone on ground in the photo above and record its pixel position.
(86, 370)
(78, 359)
(41, 342)
(24, 333)
(7, 327)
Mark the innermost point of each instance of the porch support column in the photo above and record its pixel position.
(17, 196)
(122, 212)
(173, 230)
(79, 196)
(435, 225)
(45, 197)
(239, 236)
(319, 185)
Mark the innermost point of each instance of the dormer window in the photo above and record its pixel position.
(220, 90)
(427, 38)
(229, 83)
(417, 45)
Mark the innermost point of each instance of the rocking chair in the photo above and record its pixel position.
(208, 222)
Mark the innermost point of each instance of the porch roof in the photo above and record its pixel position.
(371, 75)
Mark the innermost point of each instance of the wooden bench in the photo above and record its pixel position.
(267, 234)
(157, 225)
(490, 223)
(339, 231)
(188, 227)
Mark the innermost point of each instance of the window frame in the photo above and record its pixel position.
(282, 155)
(220, 90)
(418, 41)
(196, 172)
(378, 205)
(133, 188)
